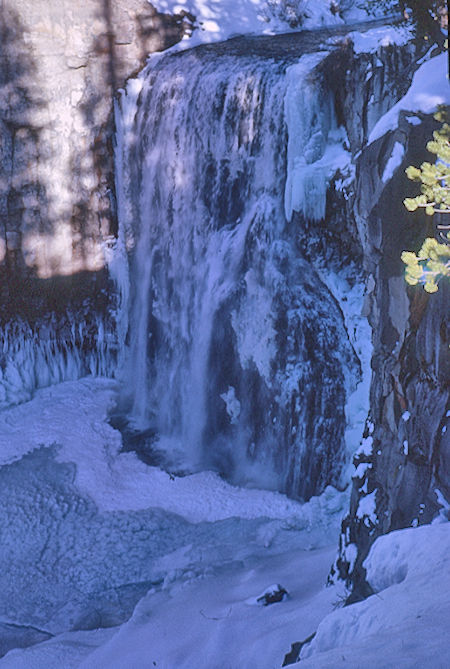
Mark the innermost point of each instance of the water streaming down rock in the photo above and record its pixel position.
(238, 356)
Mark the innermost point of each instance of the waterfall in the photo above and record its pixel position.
(237, 355)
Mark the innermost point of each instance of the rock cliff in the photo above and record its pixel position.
(61, 65)
(402, 467)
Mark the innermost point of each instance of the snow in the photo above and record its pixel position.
(207, 622)
(350, 554)
(367, 507)
(413, 120)
(395, 160)
(221, 19)
(429, 89)
(269, 592)
(404, 624)
(200, 614)
(444, 512)
(64, 651)
(210, 625)
(361, 470)
(365, 447)
(371, 40)
(361, 10)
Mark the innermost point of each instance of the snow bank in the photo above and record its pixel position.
(408, 555)
(210, 625)
(429, 88)
(64, 651)
(405, 624)
(219, 20)
(371, 40)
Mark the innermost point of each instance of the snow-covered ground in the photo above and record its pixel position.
(404, 625)
(204, 623)
(217, 20)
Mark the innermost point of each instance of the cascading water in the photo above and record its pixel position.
(237, 354)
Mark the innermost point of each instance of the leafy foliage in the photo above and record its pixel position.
(429, 265)
(432, 262)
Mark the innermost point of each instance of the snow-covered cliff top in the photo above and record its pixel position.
(218, 20)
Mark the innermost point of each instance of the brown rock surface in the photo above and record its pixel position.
(60, 65)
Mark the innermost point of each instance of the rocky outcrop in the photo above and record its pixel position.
(402, 467)
(61, 65)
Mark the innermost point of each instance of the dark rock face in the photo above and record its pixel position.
(405, 455)
(294, 654)
(366, 85)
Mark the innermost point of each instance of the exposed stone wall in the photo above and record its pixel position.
(406, 453)
(60, 65)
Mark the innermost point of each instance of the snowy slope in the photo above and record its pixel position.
(405, 623)
(205, 623)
